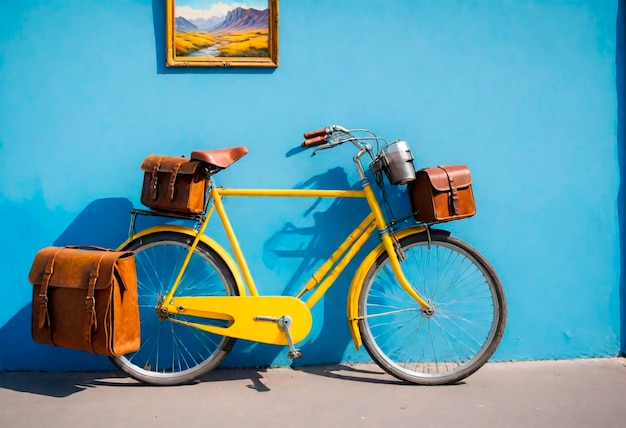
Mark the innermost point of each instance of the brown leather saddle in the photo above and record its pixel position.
(221, 158)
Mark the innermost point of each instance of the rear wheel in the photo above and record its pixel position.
(172, 353)
(469, 311)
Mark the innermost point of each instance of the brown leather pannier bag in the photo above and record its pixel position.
(441, 194)
(173, 184)
(85, 299)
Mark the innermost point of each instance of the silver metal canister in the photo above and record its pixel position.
(398, 163)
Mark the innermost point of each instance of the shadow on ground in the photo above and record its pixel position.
(64, 384)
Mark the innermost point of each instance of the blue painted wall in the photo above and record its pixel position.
(523, 92)
(621, 138)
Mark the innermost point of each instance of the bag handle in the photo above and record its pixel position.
(88, 247)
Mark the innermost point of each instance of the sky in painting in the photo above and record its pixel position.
(192, 9)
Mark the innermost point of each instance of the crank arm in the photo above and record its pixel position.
(284, 323)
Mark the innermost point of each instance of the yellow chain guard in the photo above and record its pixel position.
(242, 311)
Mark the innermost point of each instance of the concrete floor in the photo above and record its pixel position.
(570, 393)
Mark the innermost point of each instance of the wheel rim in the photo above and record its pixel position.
(451, 341)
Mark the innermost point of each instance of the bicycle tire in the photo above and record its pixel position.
(469, 311)
(172, 353)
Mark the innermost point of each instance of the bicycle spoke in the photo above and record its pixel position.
(382, 314)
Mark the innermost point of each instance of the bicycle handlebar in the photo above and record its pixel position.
(314, 141)
(335, 135)
(316, 133)
(322, 136)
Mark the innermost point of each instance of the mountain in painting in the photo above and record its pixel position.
(183, 26)
(204, 24)
(241, 19)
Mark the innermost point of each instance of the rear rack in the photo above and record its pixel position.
(197, 218)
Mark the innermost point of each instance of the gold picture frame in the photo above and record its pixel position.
(222, 33)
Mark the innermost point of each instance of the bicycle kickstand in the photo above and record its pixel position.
(283, 325)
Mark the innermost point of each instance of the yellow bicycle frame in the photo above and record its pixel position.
(318, 284)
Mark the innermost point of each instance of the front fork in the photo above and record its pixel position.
(392, 252)
(388, 242)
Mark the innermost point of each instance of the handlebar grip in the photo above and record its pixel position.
(316, 133)
(315, 141)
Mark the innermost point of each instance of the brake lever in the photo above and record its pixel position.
(323, 147)
(334, 140)
(335, 136)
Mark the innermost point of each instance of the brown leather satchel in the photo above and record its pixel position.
(173, 184)
(443, 193)
(85, 299)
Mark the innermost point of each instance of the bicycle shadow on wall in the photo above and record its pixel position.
(331, 223)
(326, 223)
(299, 247)
(304, 245)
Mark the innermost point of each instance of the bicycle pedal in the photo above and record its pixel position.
(296, 353)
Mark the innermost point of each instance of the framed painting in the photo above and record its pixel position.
(222, 33)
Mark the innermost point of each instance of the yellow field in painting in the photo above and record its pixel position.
(251, 44)
(243, 44)
(188, 42)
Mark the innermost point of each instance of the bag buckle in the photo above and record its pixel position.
(154, 183)
(90, 303)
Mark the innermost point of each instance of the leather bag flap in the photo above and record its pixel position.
(168, 164)
(442, 176)
(72, 267)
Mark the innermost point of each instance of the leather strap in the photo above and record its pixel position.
(44, 316)
(453, 195)
(154, 182)
(91, 322)
(172, 185)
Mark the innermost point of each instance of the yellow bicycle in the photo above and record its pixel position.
(428, 308)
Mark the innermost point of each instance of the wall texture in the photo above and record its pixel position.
(525, 93)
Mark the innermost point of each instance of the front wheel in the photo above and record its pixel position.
(172, 353)
(469, 311)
